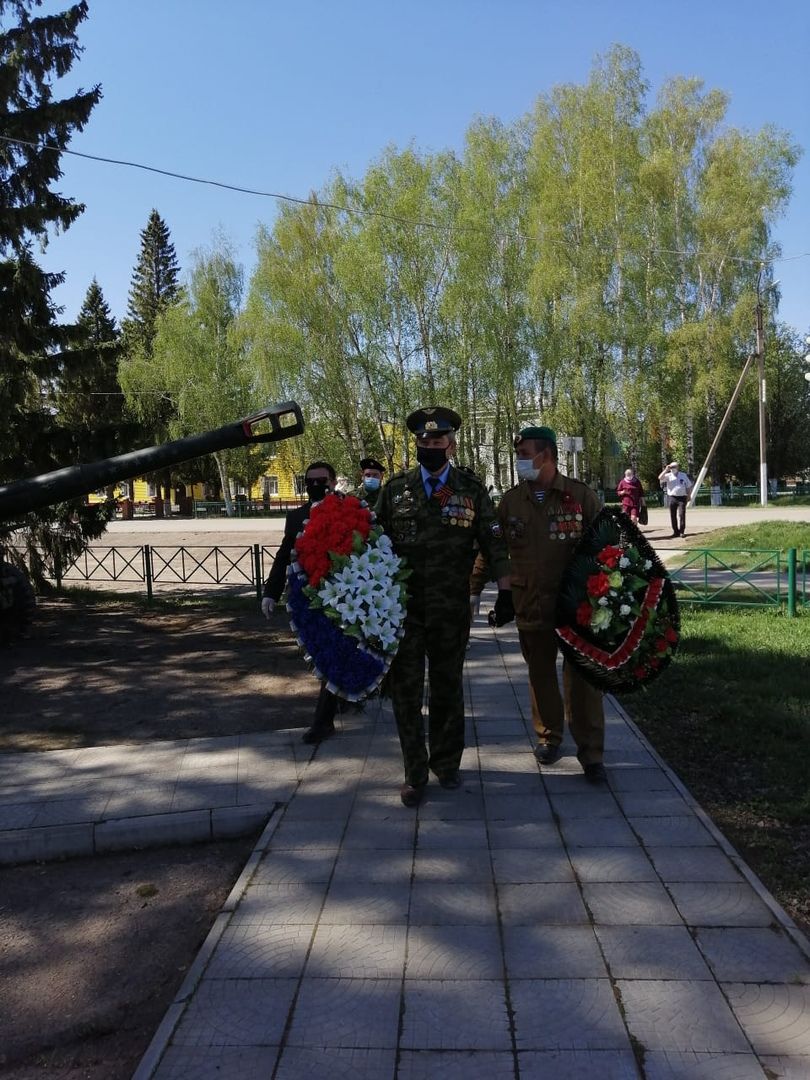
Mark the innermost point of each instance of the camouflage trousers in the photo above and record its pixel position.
(443, 645)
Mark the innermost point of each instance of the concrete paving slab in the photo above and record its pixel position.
(358, 951)
(352, 902)
(612, 865)
(775, 1018)
(236, 1012)
(332, 1063)
(652, 952)
(577, 1064)
(681, 1016)
(453, 903)
(256, 951)
(216, 1062)
(552, 952)
(552, 904)
(456, 1014)
(450, 864)
(567, 1014)
(701, 864)
(630, 903)
(724, 903)
(455, 1065)
(296, 865)
(522, 866)
(346, 1013)
(454, 952)
(660, 1065)
(753, 954)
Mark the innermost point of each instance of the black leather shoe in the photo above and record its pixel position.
(450, 779)
(316, 734)
(547, 754)
(595, 773)
(411, 794)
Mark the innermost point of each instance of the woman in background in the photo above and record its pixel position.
(631, 493)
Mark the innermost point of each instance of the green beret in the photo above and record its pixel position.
(433, 421)
(534, 432)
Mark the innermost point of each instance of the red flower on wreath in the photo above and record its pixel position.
(584, 611)
(609, 556)
(661, 644)
(670, 635)
(598, 584)
(330, 530)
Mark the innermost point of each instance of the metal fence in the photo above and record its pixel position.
(197, 568)
(706, 576)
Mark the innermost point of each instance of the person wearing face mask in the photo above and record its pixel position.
(542, 519)
(319, 480)
(435, 514)
(371, 477)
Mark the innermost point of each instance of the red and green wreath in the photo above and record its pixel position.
(617, 613)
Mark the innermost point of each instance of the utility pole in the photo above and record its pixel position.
(763, 463)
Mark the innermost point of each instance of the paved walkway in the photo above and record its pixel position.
(525, 926)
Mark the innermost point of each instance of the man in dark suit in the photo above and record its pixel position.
(319, 479)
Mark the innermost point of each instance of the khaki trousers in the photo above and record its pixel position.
(581, 704)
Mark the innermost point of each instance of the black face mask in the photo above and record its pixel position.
(316, 490)
(433, 458)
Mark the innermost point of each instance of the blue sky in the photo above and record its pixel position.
(276, 96)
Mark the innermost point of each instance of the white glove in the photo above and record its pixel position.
(268, 606)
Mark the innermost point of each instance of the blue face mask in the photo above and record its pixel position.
(371, 483)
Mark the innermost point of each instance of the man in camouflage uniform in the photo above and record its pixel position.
(542, 520)
(434, 514)
(371, 475)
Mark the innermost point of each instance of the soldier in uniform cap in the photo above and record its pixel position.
(542, 520)
(371, 475)
(434, 515)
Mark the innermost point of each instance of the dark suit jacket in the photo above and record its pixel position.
(293, 524)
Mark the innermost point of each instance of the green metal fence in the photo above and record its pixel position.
(744, 577)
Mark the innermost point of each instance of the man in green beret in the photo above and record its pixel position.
(434, 515)
(543, 518)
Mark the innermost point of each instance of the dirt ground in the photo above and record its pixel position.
(93, 950)
(118, 672)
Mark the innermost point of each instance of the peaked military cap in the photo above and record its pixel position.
(371, 463)
(536, 432)
(433, 421)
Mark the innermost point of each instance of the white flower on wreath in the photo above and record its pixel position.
(602, 618)
(603, 601)
(625, 609)
(624, 562)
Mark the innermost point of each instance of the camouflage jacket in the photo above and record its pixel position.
(371, 497)
(541, 538)
(438, 538)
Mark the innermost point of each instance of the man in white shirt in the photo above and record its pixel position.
(678, 485)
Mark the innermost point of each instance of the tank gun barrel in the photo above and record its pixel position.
(271, 424)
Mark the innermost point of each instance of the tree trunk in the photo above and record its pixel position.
(225, 483)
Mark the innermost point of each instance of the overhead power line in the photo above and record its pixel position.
(360, 211)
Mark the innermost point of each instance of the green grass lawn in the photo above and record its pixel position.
(764, 535)
(731, 716)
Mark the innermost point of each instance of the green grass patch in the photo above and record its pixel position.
(731, 715)
(741, 539)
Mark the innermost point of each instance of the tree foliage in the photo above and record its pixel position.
(596, 264)
(35, 52)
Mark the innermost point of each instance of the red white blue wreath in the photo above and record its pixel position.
(346, 596)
